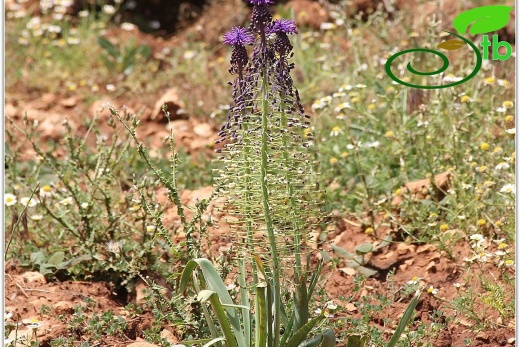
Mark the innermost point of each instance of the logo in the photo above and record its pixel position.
(483, 20)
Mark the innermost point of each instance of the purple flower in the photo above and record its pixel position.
(285, 26)
(238, 37)
(261, 2)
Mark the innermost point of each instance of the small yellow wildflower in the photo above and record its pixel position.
(354, 100)
(503, 83)
(484, 146)
(371, 107)
(369, 231)
(499, 223)
(465, 99)
(335, 131)
(507, 104)
(389, 134)
(502, 245)
(509, 118)
(432, 291)
(481, 222)
(333, 160)
(344, 154)
(482, 168)
(398, 192)
(489, 80)
(509, 262)
(444, 227)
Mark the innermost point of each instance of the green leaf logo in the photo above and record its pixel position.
(483, 19)
(451, 45)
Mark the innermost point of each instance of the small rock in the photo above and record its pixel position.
(9, 110)
(203, 130)
(140, 292)
(142, 344)
(178, 126)
(173, 104)
(63, 307)
(33, 277)
(69, 102)
(168, 336)
(46, 101)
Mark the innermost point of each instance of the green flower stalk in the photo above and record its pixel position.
(267, 182)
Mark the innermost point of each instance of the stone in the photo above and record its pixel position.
(175, 106)
(33, 277)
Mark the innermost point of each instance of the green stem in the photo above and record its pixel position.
(267, 211)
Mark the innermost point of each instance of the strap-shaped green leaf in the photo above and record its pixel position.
(304, 331)
(260, 317)
(214, 283)
(485, 19)
(325, 339)
(404, 320)
(212, 297)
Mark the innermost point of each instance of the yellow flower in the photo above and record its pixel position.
(481, 222)
(484, 146)
(444, 227)
(344, 154)
(489, 80)
(502, 245)
(509, 118)
(509, 262)
(335, 131)
(354, 100)
(507, 104)
(371, 107)
(389, 134)
(465, 99)
(369, 231)
(432, 291)
(333, 160)
(482, 168)
(498, 223)
(398, 192)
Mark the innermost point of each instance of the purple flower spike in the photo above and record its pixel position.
(239, 37)
(285, 26)
(261, 2)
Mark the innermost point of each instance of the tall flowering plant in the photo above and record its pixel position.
(267, 188)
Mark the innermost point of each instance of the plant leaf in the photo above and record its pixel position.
(205, 295)
(73, 261)
(386, 241)
(364, 248)
(325, 339)
(108, 47)
(451, 45)
(214, 283)
(404, 320)
(301, 334)
(56, 258)
(342, 252)
(485, 19)
(260, 317)
(356, 341)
